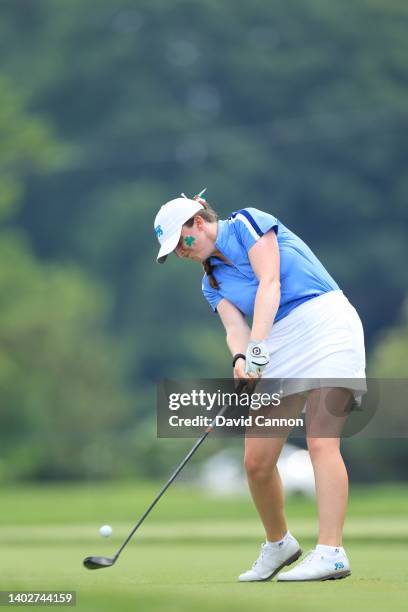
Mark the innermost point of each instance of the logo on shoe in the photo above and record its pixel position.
(338, 566)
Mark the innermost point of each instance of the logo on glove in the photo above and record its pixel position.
(257, 357)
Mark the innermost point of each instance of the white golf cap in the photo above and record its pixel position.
(169, 221)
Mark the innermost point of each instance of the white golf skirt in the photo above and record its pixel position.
(321, 339)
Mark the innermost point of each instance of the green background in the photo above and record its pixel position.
(107, 110)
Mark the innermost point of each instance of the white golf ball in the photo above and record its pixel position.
(105, 531)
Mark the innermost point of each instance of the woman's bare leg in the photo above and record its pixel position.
(325, 408)
(261, 456)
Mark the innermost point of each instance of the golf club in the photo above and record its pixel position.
(93, 563)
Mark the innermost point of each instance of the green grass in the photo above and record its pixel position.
(187, 555)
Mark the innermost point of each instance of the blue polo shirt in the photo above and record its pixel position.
(302, 276)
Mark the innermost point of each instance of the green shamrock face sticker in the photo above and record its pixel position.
(189, 240)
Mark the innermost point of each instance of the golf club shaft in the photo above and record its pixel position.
(239, 389)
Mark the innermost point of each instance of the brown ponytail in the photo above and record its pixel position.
(208, 269)
(208, 214)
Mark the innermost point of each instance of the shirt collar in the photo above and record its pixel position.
(222, 235)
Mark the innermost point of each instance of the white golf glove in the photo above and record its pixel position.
(257, 357)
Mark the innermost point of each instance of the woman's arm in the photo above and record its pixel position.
(237, 331)
(265, 262)
(264, 259)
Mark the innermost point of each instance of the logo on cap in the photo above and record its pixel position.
(158, 231)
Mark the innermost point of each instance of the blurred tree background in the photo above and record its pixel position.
(110, 108)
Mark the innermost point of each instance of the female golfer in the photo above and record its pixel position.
(303, 328)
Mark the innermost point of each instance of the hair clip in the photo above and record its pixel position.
(197, 197)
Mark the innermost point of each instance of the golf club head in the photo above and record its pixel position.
(98, 562)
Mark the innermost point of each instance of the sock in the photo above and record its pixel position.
(279, 543)
(329, 550)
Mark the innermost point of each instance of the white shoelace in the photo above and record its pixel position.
(312, 554)
(261, 556)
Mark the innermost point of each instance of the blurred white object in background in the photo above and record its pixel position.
(296, 470)
(223, 473)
